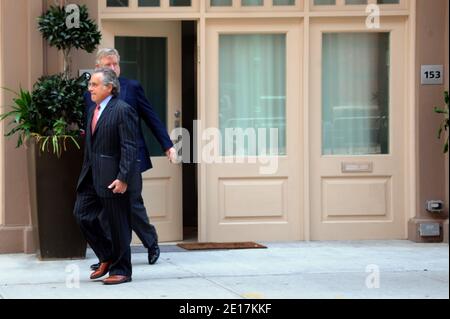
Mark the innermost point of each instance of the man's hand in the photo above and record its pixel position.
(118, 187)
(171, 154)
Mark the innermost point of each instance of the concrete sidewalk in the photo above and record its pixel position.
(294, 270)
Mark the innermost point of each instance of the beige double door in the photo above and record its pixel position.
(162, 186)
(341, 172)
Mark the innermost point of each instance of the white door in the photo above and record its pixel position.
(253, 84)
(357, 127)
(158, 44)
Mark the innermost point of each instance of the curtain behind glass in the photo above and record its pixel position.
(355, 96)
(252, 89)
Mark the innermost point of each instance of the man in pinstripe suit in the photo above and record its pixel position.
(132, 93)
(110, 173)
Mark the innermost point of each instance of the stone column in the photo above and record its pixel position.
(20, 65)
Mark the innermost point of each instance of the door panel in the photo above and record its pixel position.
(357, 129)
(162, 184)
(253, 82)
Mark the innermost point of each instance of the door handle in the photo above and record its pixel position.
(177, 122)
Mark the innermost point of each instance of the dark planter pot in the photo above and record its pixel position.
(59, 236)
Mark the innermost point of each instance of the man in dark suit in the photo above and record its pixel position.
(109, 175)
(132, 93)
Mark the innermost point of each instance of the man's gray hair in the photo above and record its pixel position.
(109, 77)
(106, 52)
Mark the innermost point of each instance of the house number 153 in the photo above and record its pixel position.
(432, 74)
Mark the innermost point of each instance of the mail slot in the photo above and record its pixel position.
(357, 167)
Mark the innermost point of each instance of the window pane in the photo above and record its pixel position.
(355, 93)
(252, 93)
(324, 2)
(388, 1)
(145, 59)
(180, 3)
(246, 3)
(117, 3)
(221, 3)
(350, 2)
(149, 3)
(284, 2)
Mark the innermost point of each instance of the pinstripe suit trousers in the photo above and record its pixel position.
(114, 246)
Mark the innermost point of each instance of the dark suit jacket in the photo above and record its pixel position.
(111, 153)
(132, 93)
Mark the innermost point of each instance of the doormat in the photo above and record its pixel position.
(205, 246)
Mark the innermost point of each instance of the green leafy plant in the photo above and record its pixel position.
(53, 113)
(53, 25)
(445, 122)
(57, 97)
(24, 115)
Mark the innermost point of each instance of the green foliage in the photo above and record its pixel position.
(59, 101)
(52, 24)
(54, 112)
(445, 122)
(24, 114)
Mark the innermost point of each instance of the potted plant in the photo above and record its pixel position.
(445, 122)
(50, 120)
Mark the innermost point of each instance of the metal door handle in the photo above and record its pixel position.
(177, 115)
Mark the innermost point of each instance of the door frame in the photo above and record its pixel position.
(165, 178)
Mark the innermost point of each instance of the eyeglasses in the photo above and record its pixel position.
(92, 85)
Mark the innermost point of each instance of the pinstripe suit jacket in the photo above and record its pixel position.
(111, 152)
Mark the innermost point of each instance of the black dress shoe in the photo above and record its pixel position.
(95, 266)
(153, 254)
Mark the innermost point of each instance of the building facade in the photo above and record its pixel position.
(354, 153)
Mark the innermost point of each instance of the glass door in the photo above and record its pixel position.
(251, 153)
(357, 116)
